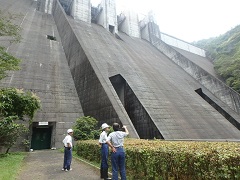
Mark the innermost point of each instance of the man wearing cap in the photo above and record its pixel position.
(67, 141)
(115, 141)
(104, 152)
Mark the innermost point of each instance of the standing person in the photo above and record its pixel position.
(115, 141)
(104, 152)
(67, 141)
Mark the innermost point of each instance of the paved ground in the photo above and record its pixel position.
(47, 165)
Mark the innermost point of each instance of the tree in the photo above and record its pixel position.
(10, 131)
(86, 128)
(16, 102)
(225, 52)
(7, 62)
(7, 28)
(11, 32)
(15, 105)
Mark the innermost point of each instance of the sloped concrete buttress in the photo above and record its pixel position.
(93, 92)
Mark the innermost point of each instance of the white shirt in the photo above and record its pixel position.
(103, 137)
(67, 139)
(117, 138)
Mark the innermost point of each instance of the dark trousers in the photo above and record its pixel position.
(104, 161)
(118, 162)
(67, 158)
(104, 156)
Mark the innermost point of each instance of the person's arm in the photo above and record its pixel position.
(126, 130)
(111, 146)
(100, 140)
(68, 143)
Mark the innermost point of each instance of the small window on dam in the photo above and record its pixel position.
(111, 29)
(51, 38)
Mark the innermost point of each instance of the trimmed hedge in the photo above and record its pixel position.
(156, 159)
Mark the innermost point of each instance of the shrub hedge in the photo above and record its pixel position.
(156, 159)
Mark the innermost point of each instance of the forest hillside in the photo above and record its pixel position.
(224, 51)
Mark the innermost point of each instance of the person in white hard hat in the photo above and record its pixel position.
(104, 151)
(67, 141)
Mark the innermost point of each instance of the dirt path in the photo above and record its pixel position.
(47, 165)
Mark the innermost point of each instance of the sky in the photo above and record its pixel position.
(189, 20)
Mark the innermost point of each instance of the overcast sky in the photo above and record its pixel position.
(189, 20)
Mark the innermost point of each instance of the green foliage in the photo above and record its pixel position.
(10, 31)
(26, 142)
(156, 160)
(10, 131)
(86, 128)
(16, 102)
(7, 28)
(15, 105)
(10, 165)
(225, 51)
(7, 63)
(89, 150)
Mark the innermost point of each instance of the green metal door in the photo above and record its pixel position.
(41, 138)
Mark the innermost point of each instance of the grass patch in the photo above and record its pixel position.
(61, 150)
(10, 165)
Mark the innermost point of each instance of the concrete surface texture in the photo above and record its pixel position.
(81, 10)
(108, 16)
(44, 68)
(47, 164)
(130, 24)
(178, 43)
(165, 91)
(214, 85)
(89, 70)
(201, 61)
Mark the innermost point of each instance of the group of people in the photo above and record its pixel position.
(114, 140)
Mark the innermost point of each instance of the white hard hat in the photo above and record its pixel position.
(69, 130)
(104, 125)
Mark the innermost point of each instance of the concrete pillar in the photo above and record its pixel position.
(81, 10)
(149, 28)
(108, 16)
(130, 24)
(48, 6)
(44, 6)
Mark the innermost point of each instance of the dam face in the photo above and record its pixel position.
(82, 60)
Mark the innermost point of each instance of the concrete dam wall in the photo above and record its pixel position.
(90, 86)
(44, 71)
(102, 72)
(162, 102)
